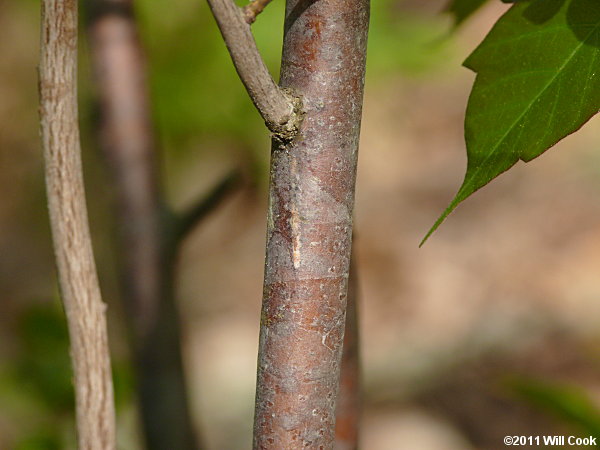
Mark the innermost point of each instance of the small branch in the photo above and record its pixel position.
(279, 109)
(78, 280)
(190, 219)
(253, 9)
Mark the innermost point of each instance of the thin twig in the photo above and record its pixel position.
(70, 230)
(207, 204)
(280, 110)
(253, 9)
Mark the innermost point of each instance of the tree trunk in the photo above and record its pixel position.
(309, 229)
(147, 242)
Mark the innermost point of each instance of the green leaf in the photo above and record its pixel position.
(538, 80)
(569, 403)
(463, 9)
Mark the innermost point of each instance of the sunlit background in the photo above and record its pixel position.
(491, 329)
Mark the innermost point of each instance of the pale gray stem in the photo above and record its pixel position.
(278, 108)
(70, 230)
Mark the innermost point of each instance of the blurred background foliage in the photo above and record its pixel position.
(206, 124)
(200, 108)
(198, 98)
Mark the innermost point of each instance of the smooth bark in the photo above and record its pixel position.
(309, 229)
(78, 280)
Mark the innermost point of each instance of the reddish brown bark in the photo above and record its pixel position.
(146, 249)
(310, 226)
(347, 417)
